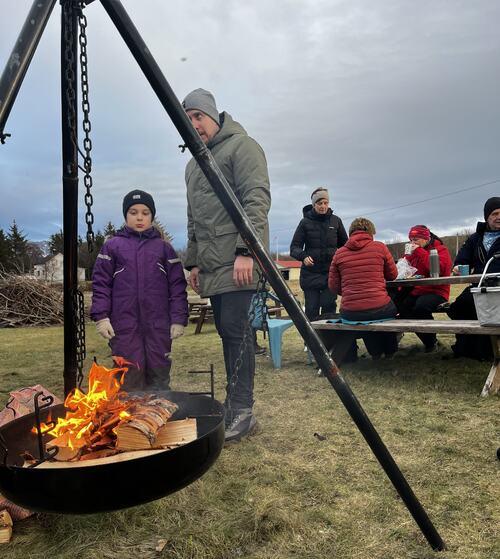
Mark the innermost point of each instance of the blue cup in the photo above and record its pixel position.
(463, 269)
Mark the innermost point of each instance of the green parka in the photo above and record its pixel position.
(212, 236)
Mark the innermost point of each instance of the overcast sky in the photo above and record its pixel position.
(386, 103)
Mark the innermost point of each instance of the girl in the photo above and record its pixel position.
(139, 300)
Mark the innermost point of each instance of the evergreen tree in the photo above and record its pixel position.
(18, 249)
(4, 251)
(109, 230)
(56, 243)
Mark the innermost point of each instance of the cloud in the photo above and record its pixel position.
(384, 103)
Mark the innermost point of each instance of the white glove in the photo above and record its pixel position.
(176, 331)
(105, 329)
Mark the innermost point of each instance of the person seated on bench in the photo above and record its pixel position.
(358, 272)
(422, 300)
(475, 252)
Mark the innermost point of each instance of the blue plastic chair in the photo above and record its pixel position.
(276, 327)
(273, 326)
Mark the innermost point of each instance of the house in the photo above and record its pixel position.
(289, 269)
(51, 269)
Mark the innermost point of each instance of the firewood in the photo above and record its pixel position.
(5, 526)
(98, 454)
(175, 433)
(140, 430)
(65, 452)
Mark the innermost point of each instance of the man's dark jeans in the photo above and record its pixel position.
(231, 320)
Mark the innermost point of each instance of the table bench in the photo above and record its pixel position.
(492, 386)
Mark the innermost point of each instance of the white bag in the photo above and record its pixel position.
(487, 301)
(404, 269)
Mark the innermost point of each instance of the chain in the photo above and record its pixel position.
(69, 56)
(69, 75)
(79, 322)
(87, 142)
(247, 335)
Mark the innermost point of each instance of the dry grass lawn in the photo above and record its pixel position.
(284, 493)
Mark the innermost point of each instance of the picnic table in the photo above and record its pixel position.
(200, 311)
(449, 280)
(326, 329)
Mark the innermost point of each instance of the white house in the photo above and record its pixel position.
(51, 269)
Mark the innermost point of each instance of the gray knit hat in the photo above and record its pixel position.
(319, 194)
(204, 101)
(138, 197)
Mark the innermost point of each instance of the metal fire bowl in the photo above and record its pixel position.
(115, 485)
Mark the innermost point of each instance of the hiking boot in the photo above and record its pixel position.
(259, 350)
(242, 425)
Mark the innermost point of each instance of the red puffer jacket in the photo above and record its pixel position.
(419, 259)
(359, 271)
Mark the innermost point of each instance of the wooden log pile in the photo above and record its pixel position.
(26, 301)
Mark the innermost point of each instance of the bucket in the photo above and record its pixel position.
(487, 300)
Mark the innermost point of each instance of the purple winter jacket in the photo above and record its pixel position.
(139, 284)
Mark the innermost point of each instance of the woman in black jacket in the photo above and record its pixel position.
(314, 243)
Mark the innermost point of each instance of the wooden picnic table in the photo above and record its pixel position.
(447, 280)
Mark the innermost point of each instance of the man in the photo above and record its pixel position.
(476, 252)
(221, 265)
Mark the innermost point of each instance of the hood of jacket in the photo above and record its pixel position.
(309, 213)
(229, 127)
(358, 240)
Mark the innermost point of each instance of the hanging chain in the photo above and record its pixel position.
(87, 142)
(247, 335)
(79, 323)
(69, 8)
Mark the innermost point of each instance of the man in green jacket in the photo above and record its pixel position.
(219, 261)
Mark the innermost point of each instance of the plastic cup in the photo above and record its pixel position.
(463, 269)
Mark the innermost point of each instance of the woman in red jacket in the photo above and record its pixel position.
(423, 300)
(358, 272)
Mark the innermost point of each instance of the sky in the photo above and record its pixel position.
(391, 105)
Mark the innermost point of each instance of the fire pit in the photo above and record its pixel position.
(113, 482)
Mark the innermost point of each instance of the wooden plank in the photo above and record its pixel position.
(412, 325)
(446, 280)
(122, 457)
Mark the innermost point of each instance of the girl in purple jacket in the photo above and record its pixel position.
(139, 300)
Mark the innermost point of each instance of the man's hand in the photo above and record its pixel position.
(243, 270)
(105, 329)
(176, 331)
(308, 261)
(194, 280)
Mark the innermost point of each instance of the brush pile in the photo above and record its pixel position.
(26, 301)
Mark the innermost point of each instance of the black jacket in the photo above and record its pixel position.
(474, 254)
(317, 236)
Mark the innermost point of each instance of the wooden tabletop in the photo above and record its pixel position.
(473, 278)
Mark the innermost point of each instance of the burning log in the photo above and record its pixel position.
(5, 526)
(106, 421)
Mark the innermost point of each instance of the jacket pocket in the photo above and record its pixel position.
(219, 250)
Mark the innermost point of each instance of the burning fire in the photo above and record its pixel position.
(90, 416)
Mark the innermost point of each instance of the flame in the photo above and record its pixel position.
(87, 415)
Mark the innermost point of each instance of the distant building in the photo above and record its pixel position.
(289, 269)
(51, 269)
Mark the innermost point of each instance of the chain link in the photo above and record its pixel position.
(79, 323)
(247, 335)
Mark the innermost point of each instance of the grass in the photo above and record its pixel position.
(284, 493)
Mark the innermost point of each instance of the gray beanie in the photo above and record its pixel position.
(319, 194)
(204, 101)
